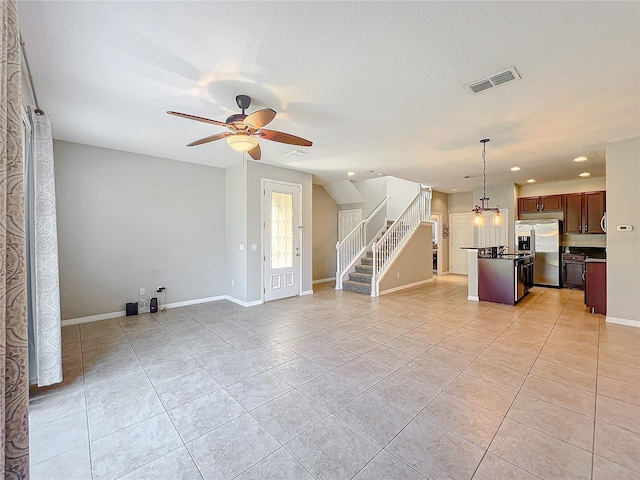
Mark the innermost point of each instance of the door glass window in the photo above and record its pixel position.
(281, 230)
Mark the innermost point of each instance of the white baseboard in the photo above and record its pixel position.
(242, 303)
(624, 321)
(473, 298)
(404, 287)
(307, 292)
(93, 318)
(444, 273)
(196, 301)
(323, 280)
(186, 303)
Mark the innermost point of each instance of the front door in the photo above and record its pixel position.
(282, 240)
(347, 221)
(461, 235)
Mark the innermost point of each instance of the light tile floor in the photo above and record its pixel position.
(337, 385)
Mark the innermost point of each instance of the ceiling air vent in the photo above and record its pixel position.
(494, 80)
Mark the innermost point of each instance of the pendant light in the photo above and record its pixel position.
(478, 211)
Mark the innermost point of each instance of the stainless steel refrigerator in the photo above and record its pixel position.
(542, 238)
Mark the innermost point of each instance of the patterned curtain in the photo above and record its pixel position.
(42, 253)
(14, 381)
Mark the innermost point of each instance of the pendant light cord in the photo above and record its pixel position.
(484, 171)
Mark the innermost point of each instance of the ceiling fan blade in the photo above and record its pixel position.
(260, 118)
(284, 138)
(211, 138)
(255, 152)
(199, 119)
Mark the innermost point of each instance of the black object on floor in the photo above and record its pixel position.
(132, 308)
(153, 305)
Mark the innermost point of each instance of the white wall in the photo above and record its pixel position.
(374, 191)
(325, 234)
(623, 248)
(400, 193)
(256, 171)
(127, 221)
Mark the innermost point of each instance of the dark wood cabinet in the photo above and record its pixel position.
(551, 203)
(573, 213)
(546, 203)
(528, 204)
(594, 208)
(583, 212)
(595, 287)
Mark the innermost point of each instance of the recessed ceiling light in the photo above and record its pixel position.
(515, 169)
(454, 189)
(351, 174)
(467, 176)
(381, 174)
(531, 180)
(585, 174)
(580, 159)
(369, 171)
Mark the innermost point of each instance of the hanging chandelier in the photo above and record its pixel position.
(478, 211)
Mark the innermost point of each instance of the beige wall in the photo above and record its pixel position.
(325, 234)
(440, 204)
(623, 248)
(236, 231)
(569, 186)
(127, 221)
(460, 202)
(415, 262)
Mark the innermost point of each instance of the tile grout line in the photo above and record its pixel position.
(516, 396)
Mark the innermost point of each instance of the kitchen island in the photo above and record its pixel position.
(505, 278)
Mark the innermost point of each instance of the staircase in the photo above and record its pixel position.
(377, 256)
(360, 280)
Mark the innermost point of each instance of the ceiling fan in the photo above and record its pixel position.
(245, 128)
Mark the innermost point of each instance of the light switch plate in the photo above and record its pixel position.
(242, 246)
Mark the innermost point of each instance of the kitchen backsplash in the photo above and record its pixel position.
(569, 240)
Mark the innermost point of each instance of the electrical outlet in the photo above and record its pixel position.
(233, 283)
(142, 291)
(160, 288)
(398, 275)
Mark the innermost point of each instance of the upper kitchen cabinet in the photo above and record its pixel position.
(583, 212)
(594, 209)
(547, 203)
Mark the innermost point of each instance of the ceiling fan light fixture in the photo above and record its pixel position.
(242, 142)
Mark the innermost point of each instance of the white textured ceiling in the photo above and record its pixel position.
(375, 85)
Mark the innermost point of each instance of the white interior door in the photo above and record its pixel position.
(460, 235)
(282, 240)
(347, 221)
(491, 235)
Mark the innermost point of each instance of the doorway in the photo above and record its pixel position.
(461, 235)
(282, 242)
(437, 243)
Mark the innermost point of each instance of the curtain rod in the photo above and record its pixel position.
(38, 110)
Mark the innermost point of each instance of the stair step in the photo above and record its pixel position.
(357, 287)
(361, 277)
(364, 268)
(367, 261)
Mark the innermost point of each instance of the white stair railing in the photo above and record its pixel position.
(387, 248)
(353, 246)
